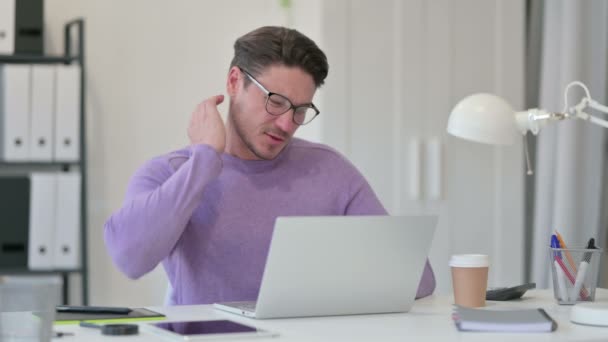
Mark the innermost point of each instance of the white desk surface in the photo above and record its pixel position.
(429, 320)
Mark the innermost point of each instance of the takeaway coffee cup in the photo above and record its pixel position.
(470, 279)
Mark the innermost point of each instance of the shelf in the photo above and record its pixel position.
(39, 164)
(38, 59)
(25, 168)
(25, 271)
(73, 53)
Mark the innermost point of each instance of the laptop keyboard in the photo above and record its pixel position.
(245, 306)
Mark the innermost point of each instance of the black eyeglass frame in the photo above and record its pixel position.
(291, 105)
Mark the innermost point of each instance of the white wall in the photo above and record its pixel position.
(148, 64)
(403, 66)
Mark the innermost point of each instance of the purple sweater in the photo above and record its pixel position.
(209, 217)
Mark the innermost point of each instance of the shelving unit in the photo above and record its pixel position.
(71, 55)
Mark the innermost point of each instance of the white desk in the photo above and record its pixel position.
(429, 320)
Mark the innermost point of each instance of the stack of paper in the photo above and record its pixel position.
(526, 320)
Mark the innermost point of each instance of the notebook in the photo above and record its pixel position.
(523, 320)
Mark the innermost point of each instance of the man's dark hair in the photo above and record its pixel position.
(270, 45)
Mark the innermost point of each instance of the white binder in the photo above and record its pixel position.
(67, 222)
(42, 221)
(42, 109)
(14, 111)
(67, 113)
(7, 26)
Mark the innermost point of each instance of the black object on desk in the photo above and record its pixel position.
(93, 309)
(509, 293)
(113, 329)
(58, 334)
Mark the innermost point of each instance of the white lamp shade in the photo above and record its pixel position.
(484, 118)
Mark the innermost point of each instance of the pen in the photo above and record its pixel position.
(565, 269)
(582, 269)
(561, 283)
(568, 256)
(555, 245)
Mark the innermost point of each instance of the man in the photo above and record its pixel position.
(207, 211)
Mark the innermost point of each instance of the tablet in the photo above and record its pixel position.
(205, 330)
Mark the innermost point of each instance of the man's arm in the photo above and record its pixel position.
(159, 202)
(157, 208)
(365, 202)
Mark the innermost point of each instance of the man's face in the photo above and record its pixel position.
(255, 134)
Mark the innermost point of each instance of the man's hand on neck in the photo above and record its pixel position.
(206, 125)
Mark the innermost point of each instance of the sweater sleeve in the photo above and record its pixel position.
(158, 205)
(365, 202)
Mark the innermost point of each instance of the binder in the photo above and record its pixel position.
(14, 112)
(42, 221)
(66, 254)
(67, 113)
(14, 203)
(7, 26)
(42, 106)
(29, 27)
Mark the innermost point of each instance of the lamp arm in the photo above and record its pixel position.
(532, 120)
(598, 106)
(579, 113)
(593, 119)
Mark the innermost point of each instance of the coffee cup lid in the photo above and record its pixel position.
(469, 260)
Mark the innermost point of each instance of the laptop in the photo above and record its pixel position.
(341, 265)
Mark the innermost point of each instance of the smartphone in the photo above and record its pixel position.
(205, 330)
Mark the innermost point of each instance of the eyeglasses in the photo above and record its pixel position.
(277, 104)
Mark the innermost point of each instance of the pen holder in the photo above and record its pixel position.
(575, 273)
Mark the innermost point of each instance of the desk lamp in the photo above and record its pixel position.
(488, 119)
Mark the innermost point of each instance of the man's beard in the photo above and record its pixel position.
(239, 128)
